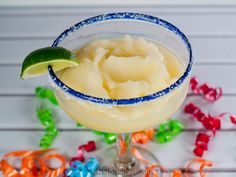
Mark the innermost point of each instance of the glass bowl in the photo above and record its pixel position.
(123, 116)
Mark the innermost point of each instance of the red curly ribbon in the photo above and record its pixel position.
(201, 144)
(88, 147)
(143, 137)
(209, 123)
(231, 117)
(211, 94)
(79, 158)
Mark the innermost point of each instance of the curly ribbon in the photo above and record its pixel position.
(46, 93)
(109, 138)
(29, 164)
(201, 144)
(79, 158)
(45, 117)
(168, 130)
(123, 147)
(79, 125)
(78, 169)
(151, 170)
(208, 121)
(231, 117)
(213, 124)
(151, 167)
(88, 147)
(75, 170)
(176, 173)
(143, 137)
(44, 114)
(45, 170)
(203, 163)
(211, 94)
(8, 170)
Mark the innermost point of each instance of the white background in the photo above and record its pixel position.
(113, 2)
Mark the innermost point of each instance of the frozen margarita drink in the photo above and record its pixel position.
(123, 68)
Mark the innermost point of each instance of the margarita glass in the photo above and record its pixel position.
(123, 116)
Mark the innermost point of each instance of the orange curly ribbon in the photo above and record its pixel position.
(151, 167)
(143, 137)
(29, 164)
(203, 163)
(52, 172)
(177, 173)
(123, 147)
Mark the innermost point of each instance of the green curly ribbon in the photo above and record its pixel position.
(168, 130)
(45, 117)
(46, 93)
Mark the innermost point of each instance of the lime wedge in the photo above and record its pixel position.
(37, 62)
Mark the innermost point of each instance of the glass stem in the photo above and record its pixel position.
(124, 159)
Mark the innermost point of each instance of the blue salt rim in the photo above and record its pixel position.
(124, 16)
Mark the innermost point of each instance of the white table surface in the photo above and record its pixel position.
(212, 31)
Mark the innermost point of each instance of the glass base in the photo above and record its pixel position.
(108, 167)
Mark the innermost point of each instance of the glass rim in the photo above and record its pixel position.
(122, 16)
